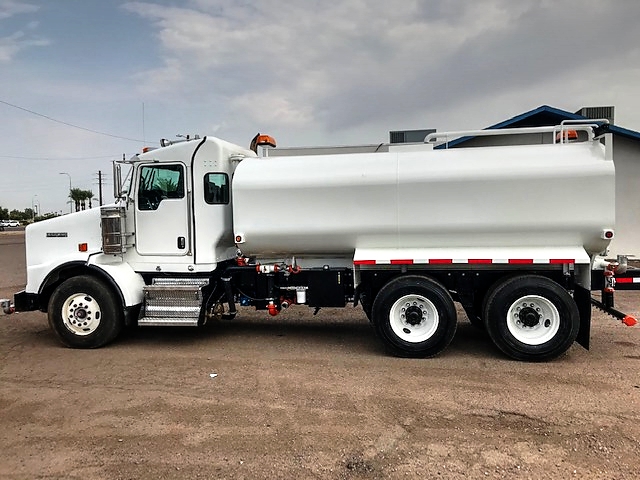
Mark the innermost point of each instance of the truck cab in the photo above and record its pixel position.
(178, 207)
(169, 229)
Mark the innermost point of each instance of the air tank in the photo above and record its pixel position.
(547, 195)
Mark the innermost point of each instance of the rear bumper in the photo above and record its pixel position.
(25, 302)
(629, 280)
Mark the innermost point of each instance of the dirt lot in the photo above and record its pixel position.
(309, 397)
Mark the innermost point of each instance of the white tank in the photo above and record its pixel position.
(526, 196)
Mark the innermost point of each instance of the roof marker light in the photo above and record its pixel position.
(261, 140)
(567, 136)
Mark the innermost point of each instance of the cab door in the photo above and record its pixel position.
(162, 210)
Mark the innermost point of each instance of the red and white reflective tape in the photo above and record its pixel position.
(469, 261)
(628, 280)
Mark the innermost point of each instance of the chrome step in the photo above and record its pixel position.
(172, 302)
(179, 281)
(168, 322)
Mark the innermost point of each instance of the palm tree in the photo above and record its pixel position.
(77, 196)
(86, 195)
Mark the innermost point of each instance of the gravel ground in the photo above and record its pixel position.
(300, 396)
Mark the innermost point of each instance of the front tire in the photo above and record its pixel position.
(531, 318)
(414, 316)
(84, 313)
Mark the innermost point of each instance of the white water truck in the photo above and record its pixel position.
(202, 228)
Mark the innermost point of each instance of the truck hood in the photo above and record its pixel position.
(58, 239)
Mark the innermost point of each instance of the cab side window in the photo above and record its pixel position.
(216, 188)
(159, 182)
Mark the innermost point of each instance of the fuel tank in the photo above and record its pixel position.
(547, 195)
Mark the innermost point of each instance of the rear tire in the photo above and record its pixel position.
(414, 316)
(84, 313)
(531, 318)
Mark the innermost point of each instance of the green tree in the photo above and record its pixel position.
(88, 196)
(20, 215)
(75, 194)
(24, 216)
(80, 198)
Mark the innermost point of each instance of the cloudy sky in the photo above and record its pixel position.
(84, 82)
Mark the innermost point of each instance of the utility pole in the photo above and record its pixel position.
(100, 180)
(100, 186)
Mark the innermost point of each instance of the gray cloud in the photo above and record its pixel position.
(339, 64)
(308, 72)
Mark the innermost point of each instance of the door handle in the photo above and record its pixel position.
(181, 243)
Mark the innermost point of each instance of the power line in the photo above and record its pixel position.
(70, 124)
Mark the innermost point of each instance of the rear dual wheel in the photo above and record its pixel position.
(531, 318)
(414, 316)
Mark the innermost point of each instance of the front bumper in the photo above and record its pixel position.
(25, 302)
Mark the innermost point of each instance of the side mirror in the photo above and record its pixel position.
(117, 180)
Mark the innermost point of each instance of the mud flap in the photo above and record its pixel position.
(582, 297)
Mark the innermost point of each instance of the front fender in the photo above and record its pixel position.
(127, 284)
(128, 281)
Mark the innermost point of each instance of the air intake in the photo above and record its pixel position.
(598, 112)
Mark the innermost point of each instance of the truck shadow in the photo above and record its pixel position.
(355, 336)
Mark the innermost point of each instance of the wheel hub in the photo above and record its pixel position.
(414, 318)
(413, 315)
(79, 314)
(529, 317)
(533, 320)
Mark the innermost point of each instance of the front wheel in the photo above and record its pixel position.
(414, 316)
(84, 313)
(532, 318)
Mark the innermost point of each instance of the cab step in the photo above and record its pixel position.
(172, 302)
